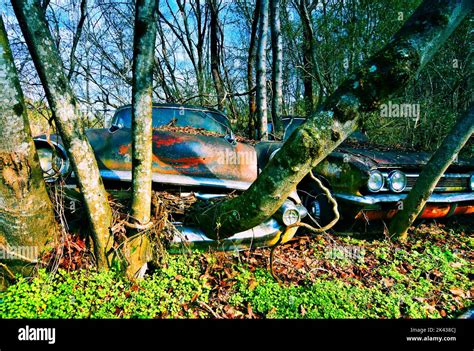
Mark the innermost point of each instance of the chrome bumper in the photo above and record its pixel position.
(384, 198)
(265, 234)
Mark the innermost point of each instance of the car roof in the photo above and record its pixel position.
(179, 106)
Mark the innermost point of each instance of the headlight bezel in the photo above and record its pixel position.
(288, 213)
(58, 166)
(391, 181)
(375, 173)
(471, 182)
(291, 216)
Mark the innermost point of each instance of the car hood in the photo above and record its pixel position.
(370, 158)
(179, 158)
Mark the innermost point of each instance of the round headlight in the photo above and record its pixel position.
(291, 216)
(375, 182)
(472, 182)
(50, 163)
(397, 181)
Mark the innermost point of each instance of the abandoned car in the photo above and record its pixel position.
(369, 182)
(195, 152)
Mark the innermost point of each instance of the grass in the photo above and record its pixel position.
(321, 277)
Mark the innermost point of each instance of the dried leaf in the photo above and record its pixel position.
(457, 292)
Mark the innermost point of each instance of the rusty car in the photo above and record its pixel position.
(196, 152)
(369, 182)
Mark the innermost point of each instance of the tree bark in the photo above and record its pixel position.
(277, 69)
(379, 78)
(431, 174)
(215, 57)
(310, 63)
(250, 68)
(136, 250)
(66, 115)
(142, 88)
(26, 213)
(262, 119)
(307, 54)
(77, 37)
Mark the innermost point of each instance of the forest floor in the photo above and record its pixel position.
(323, 276)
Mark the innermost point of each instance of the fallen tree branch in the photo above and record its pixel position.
(9, 272)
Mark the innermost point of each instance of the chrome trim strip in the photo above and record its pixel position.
(179, 179)
(446, 175)
(382, 198)
(261, 235)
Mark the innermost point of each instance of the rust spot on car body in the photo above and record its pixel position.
(180, 153)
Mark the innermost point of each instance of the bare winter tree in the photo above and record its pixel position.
(262, 118)
(193, 42)
(215, 52)
(63, 104)
(431, 174)
(250, 70)
(26, 213)
(310, 67)
(77, 37)
(277, 64)
(378, 78)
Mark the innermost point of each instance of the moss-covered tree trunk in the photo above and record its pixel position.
(66, 116)
(26, 213)
(431, 174)
(142, 132)
(380, 77)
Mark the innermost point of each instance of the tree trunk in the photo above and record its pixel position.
(310, 62)
(66, 115)
(250, 69)
(215, 57)
(26, 213)
(142, 133)
(262, 131)
(77, 37)
(277, 69)
(431, 174)
(384, 74)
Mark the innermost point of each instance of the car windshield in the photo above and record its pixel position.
(181, 117)
(290, 125)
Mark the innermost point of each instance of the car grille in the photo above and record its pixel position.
(448, 182)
